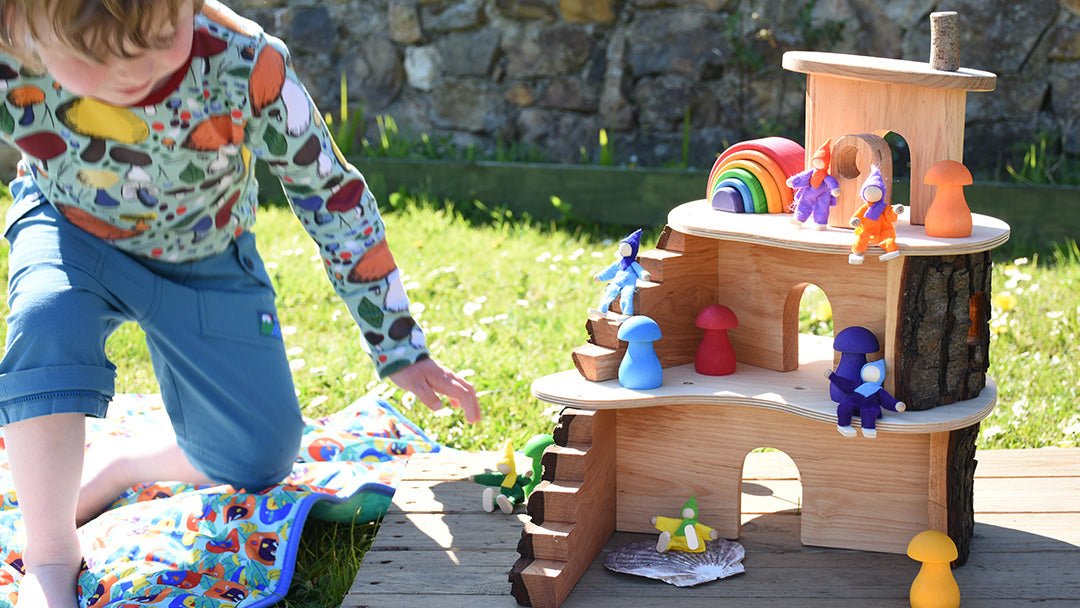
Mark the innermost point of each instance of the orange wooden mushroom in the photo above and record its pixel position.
(715, 355)
(949, 215)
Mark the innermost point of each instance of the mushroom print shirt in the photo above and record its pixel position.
(173, 178)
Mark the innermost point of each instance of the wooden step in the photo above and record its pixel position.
(565, 463)
(597, 363)
(575, 427)
(541, 583)
(551, 540)
(603, 332)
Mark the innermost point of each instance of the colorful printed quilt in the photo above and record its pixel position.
(182, 546)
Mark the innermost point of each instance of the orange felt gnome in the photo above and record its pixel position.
(873, 222)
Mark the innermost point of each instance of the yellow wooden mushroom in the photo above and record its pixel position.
(934, 586)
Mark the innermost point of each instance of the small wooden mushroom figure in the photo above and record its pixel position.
(948, 215)
(715, 355)
(934, 586)
(640, 368)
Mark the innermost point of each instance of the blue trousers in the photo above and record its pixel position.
(209, 325)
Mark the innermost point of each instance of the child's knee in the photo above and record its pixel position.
(256, 461)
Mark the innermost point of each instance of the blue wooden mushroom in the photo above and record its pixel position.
(640, 367)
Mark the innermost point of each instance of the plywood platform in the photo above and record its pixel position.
(438, 549)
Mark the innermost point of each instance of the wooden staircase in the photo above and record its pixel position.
(684, 281)
(560, 542)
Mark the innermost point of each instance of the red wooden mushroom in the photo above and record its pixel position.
(715, 355)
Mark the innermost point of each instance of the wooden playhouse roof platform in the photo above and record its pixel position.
(437, 548)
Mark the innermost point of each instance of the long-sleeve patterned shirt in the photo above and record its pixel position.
(173, 178)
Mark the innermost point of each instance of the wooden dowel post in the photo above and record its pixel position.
(945, 41)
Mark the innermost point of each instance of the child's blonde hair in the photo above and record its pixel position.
(94, 28)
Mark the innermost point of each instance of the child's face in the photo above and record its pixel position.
(118, 80)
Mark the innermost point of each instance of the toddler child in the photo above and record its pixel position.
(140, 122)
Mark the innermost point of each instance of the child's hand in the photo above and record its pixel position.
(427, 380)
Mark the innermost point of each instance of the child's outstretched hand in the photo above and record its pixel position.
(427, 380)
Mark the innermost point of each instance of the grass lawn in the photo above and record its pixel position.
(504, 301)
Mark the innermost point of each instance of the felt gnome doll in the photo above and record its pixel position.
(874, 220)
(622, 276)
(683, 533)
(816, 191)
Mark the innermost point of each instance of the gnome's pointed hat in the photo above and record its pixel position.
(634, 240)
(824, 154)
(874, 180)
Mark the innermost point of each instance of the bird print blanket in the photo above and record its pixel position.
(181, 546)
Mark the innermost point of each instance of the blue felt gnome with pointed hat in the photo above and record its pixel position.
(622, 276)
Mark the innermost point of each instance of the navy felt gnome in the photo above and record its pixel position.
(622, 276)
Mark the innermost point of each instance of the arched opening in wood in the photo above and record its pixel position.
(771, 498)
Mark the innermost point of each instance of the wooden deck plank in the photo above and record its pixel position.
(1042, 462)
(437, 549)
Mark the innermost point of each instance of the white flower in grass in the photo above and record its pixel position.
(1020, 409)
(577, 253)
(412, 285)
(1072, 427)
(991, 432)
(543, 257)
(288, 330)
(525, 303)
(444, 412)
(479, 336)
(297, 364)
(350, 377)
(417, 308)
(552, 413)
(1021, 261)
(408, 400)
(466, 373)
(1055, 314)
(317, 401)
(294, 351)
(1015, 278)
(317, 371)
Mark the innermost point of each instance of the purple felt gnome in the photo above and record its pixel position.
(815, 189)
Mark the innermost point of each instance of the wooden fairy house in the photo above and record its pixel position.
(622, 455)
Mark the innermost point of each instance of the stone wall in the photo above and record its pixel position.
(551, 73)
(548, 75)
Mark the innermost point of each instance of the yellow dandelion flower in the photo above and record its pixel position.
(1005, 301)
(823, 311)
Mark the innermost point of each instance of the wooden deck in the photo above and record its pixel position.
(438, 549)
